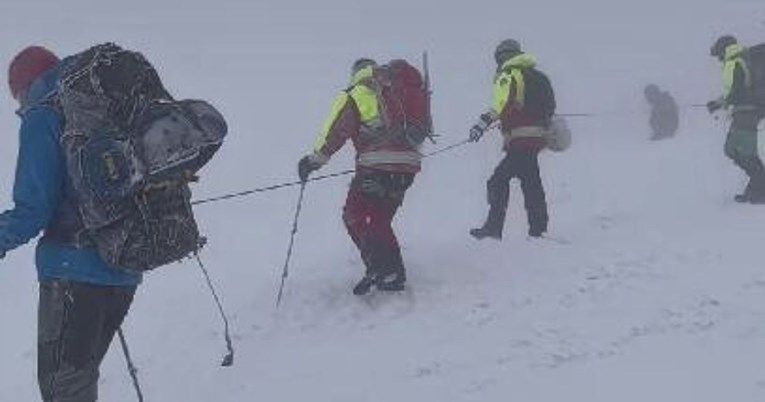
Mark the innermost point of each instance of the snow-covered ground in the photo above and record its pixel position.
(651, 287)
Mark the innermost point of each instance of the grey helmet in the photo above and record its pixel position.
(722, 43)
(506, 49)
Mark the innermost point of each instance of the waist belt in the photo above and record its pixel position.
(527, 132)
(377, 158)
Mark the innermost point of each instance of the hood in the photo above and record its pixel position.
(361, 75)
(41, 88)
(523, 60)
(733, 51)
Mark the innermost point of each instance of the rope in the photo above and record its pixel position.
(312, 179)
(351, 171)
(269, 188)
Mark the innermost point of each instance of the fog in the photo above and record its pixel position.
(485, 322)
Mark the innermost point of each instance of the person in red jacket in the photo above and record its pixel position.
(385, 168)
(524, 104)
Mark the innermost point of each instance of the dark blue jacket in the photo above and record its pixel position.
(44, 198)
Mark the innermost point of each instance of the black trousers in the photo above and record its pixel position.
(742, 145)
(522, 164)
(76, 324)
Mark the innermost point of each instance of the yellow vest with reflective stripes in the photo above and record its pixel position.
(733, 59)
(365, 99)
(510, 76)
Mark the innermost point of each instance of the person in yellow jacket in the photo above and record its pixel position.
(523, 104)
(386, 165)
(739, 99)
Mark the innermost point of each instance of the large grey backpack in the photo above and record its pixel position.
(131, 152)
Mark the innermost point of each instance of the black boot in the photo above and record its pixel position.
(493, 226)
(536, 232)
(365, 284)
(393, 277)
(757, 195)
(746, 195)
(393, 282)
(537, 222)
(484, 232)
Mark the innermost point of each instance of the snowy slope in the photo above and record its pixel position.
(651, 290)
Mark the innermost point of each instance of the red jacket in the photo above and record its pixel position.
(375, 148)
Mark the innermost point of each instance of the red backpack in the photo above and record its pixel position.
(404, 101)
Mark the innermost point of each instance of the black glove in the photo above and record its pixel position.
(476, 132)
(714, 105)
(478, 129)
(306, 166)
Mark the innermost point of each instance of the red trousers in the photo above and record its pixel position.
(372, 202)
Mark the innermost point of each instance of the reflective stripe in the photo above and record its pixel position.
(376, 158)
(526, 132)
(530, 131)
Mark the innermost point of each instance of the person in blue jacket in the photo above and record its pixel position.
(83, 301)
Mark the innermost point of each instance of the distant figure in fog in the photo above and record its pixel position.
(664, 116)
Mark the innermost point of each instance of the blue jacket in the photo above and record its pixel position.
(42, 196)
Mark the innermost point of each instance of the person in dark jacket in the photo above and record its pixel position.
(664, 119)
(524, 104)
(385, 169)
(83, 301)
(739, 98)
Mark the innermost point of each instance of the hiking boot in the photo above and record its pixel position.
(364, 285)
(742, 198)
(758, 199)
(536, 232)
(484, 232)
(392, 282)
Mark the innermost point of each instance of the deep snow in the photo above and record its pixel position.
(653, 289)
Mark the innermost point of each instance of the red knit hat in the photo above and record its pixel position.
(29, 64)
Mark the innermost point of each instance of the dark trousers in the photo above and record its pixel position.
(76, 324)
(518, 163)
(741, 146)
(372, 202)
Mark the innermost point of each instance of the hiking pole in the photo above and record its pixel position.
(269, 188)
(285, 270)
(131, 367)
(228, 360)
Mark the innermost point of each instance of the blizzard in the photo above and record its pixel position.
(650, 286)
